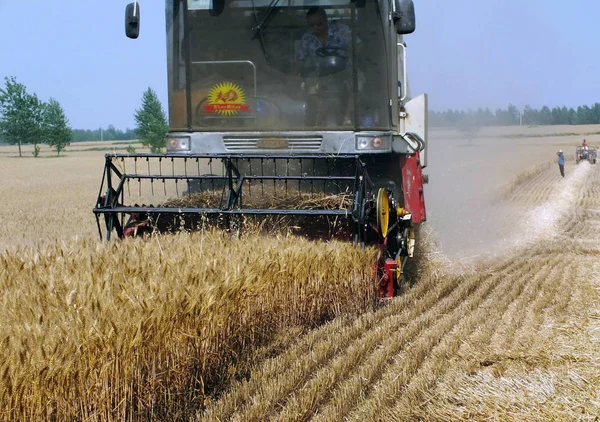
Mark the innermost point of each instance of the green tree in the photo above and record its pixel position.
(151, 122)
(56, 130)
(545, 116)
(585, 115)
(530, 116)
(595, 110)
(21, 115)
(558, 117)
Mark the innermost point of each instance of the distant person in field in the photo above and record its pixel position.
(584, 150)
(561, 162)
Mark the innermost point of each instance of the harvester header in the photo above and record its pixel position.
(292, 114)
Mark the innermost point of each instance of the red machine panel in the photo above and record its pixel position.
(412, 185)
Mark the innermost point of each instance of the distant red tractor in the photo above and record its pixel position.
(586, 153)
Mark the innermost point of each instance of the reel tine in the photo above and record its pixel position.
(327, 163)
(210, 160)
(275, 174)
(262, 173)
(287, 173)
(251, 173)
(237, 163)
(125, 172)
(187, 180)
(300, 179)
(201, 181)
(339, 188)
(197, 174)
(312, 183)
(174, 178)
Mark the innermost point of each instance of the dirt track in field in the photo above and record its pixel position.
(510, 336)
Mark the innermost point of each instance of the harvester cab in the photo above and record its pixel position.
(291, 112)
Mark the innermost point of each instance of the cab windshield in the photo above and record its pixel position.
(274, 65)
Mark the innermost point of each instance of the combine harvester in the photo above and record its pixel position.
(324, 134)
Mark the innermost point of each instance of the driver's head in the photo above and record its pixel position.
(317, 20)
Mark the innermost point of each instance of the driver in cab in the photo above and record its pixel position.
(325, 38)
(322, 35)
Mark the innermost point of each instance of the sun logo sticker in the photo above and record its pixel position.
(226, 99)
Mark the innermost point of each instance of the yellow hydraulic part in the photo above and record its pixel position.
(383, 211)
(399, 268)
(401, 211)
(411, 242)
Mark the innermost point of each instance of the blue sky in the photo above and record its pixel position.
(464, 54)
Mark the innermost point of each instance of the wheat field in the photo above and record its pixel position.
(49, 198)
(208, 327)
(146, 329)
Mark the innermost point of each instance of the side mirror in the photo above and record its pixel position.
(132, 20)
(404, 17)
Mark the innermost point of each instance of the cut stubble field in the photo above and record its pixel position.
(502, 323)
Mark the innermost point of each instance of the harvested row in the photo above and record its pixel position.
(519, 381)
(393, 341)
(395, 326)
(474, 333)
(526, 188)
(433, 349)
(512, 377)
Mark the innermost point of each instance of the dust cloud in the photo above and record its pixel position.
(467, 206)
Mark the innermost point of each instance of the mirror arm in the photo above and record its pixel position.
(404, 76)
(396, 14)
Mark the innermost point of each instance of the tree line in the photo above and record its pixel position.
(28, 120)
(582, 115)
(109, 134)
(25, 119)
(103, 134)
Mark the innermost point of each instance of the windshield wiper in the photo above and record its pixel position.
(259, 27)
